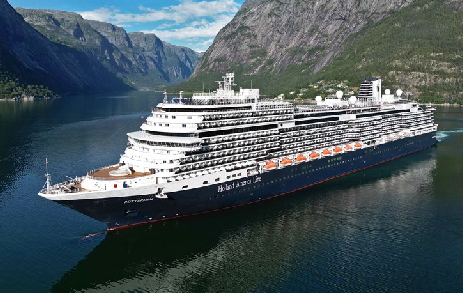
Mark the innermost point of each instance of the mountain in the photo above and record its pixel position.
(271, 40)
(418, 49)
(140, 60)
(283, 45)
(65, 53)
(27, 57)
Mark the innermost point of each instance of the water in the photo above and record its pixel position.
(397, 227)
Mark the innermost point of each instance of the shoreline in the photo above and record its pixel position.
(443, 104)
(28, 99)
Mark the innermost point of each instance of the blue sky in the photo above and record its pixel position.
(191, 23)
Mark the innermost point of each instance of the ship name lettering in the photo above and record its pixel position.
(137, 200)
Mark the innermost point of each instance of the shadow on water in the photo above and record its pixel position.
(261, 246)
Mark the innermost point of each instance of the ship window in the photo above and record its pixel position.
(166, 116)
(185, 186)
(234, 175)
(217, 179)
(174, 117)
(206, 182)
(183, 125)
(228, 177)
(189, 117)
(167, 125)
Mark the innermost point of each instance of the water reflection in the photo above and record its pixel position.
(334, 235)
(38, 128)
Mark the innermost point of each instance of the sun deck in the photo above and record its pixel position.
(103, 174)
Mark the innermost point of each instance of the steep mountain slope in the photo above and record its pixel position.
(141, 60)
(275, 38)
(419, 49)
(29, 57)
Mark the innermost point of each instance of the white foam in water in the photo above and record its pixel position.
(441, 135)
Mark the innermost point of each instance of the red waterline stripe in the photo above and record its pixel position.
(259, 200)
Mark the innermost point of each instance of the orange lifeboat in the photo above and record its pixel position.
(301, 158)
(286, 162)
(338, 150)
(314, 155)
(270, 165)
(326, 152)
(358, 145)
(348, 147)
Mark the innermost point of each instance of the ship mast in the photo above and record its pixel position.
(165, 97)
(48, 176)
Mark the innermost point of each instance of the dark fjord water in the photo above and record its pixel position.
(397, 227)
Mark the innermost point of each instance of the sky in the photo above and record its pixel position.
(190, 23)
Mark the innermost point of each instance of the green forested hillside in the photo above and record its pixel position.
(419, 49)
(13, 88)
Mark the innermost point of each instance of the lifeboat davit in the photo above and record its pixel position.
(300, 158)
(286, 162)
(314, 155)
(326, 152)
(358, 145)
(348, 147)
(338, 150)
(270, 165)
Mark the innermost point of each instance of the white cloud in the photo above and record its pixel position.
(192, 22)
(195, 29)
(184, 12)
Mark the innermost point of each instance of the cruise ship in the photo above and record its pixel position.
(228, 148)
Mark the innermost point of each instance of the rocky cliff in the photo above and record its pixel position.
(31, 58)
(274, 37)
(269, 36)
(141, 60)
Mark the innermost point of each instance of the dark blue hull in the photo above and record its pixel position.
(120, 212)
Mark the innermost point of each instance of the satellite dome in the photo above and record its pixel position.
(318, 99)
(339, 94)
(387, 92)
(352, 100)
(399, 92)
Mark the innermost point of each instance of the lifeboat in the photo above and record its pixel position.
(358, 145)
(300, 158)
(270, 165)
(314, 155)
(348, 147)
(286, 162)
(326, 152)
(338, 150)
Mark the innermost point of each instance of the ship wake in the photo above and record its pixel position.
(442, 135)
